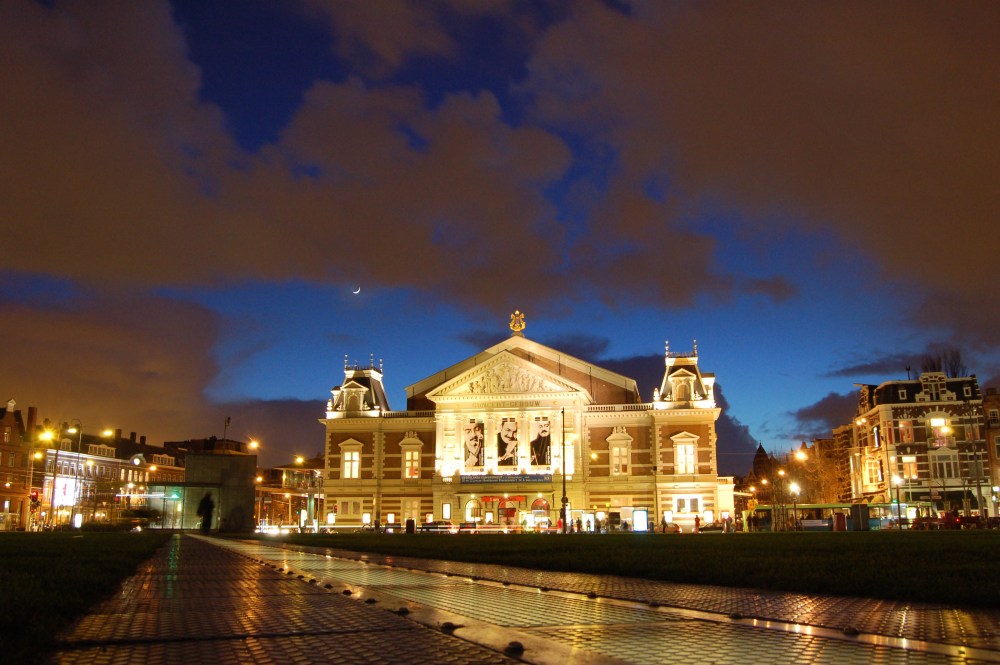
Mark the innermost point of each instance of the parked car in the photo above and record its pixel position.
(671, 527)
(438, 526)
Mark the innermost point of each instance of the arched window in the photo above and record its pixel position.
(540, 505)
(474, 511)
(508, 511)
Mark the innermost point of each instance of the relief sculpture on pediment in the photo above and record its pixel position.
(507, 379)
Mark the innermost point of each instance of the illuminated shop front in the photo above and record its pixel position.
(503, 436)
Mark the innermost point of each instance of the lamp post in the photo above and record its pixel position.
(770, 498)
(897, 481)
(77, 429)
(794, 488)
(49, 436)
(781, 495)
(32, 495)
(565, 499)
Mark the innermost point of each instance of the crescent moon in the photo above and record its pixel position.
(356, 291)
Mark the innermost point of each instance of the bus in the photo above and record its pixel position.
(837, 516)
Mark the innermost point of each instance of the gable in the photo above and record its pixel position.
(506, 375)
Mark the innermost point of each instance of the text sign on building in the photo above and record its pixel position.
(507, 478)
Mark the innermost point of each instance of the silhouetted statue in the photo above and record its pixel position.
(205, 508)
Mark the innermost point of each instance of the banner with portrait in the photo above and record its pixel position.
(541, 442)
(473, 440)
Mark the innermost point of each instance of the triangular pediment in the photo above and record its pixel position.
(507, 376)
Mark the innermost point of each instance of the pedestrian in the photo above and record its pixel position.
(697, 523)
(205, 508)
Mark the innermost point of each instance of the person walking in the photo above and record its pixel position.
(205, 508)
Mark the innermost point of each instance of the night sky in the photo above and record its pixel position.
(191, 191)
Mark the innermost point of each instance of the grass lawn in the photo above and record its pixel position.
(953, 567)
(49, 579)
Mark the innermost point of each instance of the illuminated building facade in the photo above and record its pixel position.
(922, 440)
(489, 439)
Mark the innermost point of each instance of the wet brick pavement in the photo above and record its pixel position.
(220, 601)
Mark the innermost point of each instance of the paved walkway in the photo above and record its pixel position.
(209, 599)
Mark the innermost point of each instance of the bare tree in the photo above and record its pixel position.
(947, 360)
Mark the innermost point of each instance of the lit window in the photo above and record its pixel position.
(909, 466)
(352, 464)
(686, 504)
(685, 458)
(411, 464)
(619, 461)
(905, 431)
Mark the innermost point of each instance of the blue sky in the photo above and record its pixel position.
(195, 189)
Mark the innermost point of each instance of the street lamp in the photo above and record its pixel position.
(897, 481)
(770, 498)
(49, 436)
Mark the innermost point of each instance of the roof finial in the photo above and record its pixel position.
(666, 350)
(379, 365)
(371, 361)
(346, 363)
(695, 348)
(517, 322)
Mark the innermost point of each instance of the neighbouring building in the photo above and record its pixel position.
(922, 440)
(15, 468)
(991, 412)
(497, 437)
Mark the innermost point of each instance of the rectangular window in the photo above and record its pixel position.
(411, 462)
(446, 511)
(685, 459)
(967, 391)
(352, 464)
(944, 466)
(909, 466)
(902, 393)
(686, 504)
(905, 431)
(619, 461)
(994, 417)
(12, 459)
(873, 472)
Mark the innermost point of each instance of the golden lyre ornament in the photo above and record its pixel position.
(517, 321)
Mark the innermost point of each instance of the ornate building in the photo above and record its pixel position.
(511, 433)
(922, 440)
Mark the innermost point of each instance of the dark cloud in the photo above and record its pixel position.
(580, 345)
(892, 365)
(138, 364)
(283, 427)
(819, 419)
(480, 339)
(856, 117)
(736, 444)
